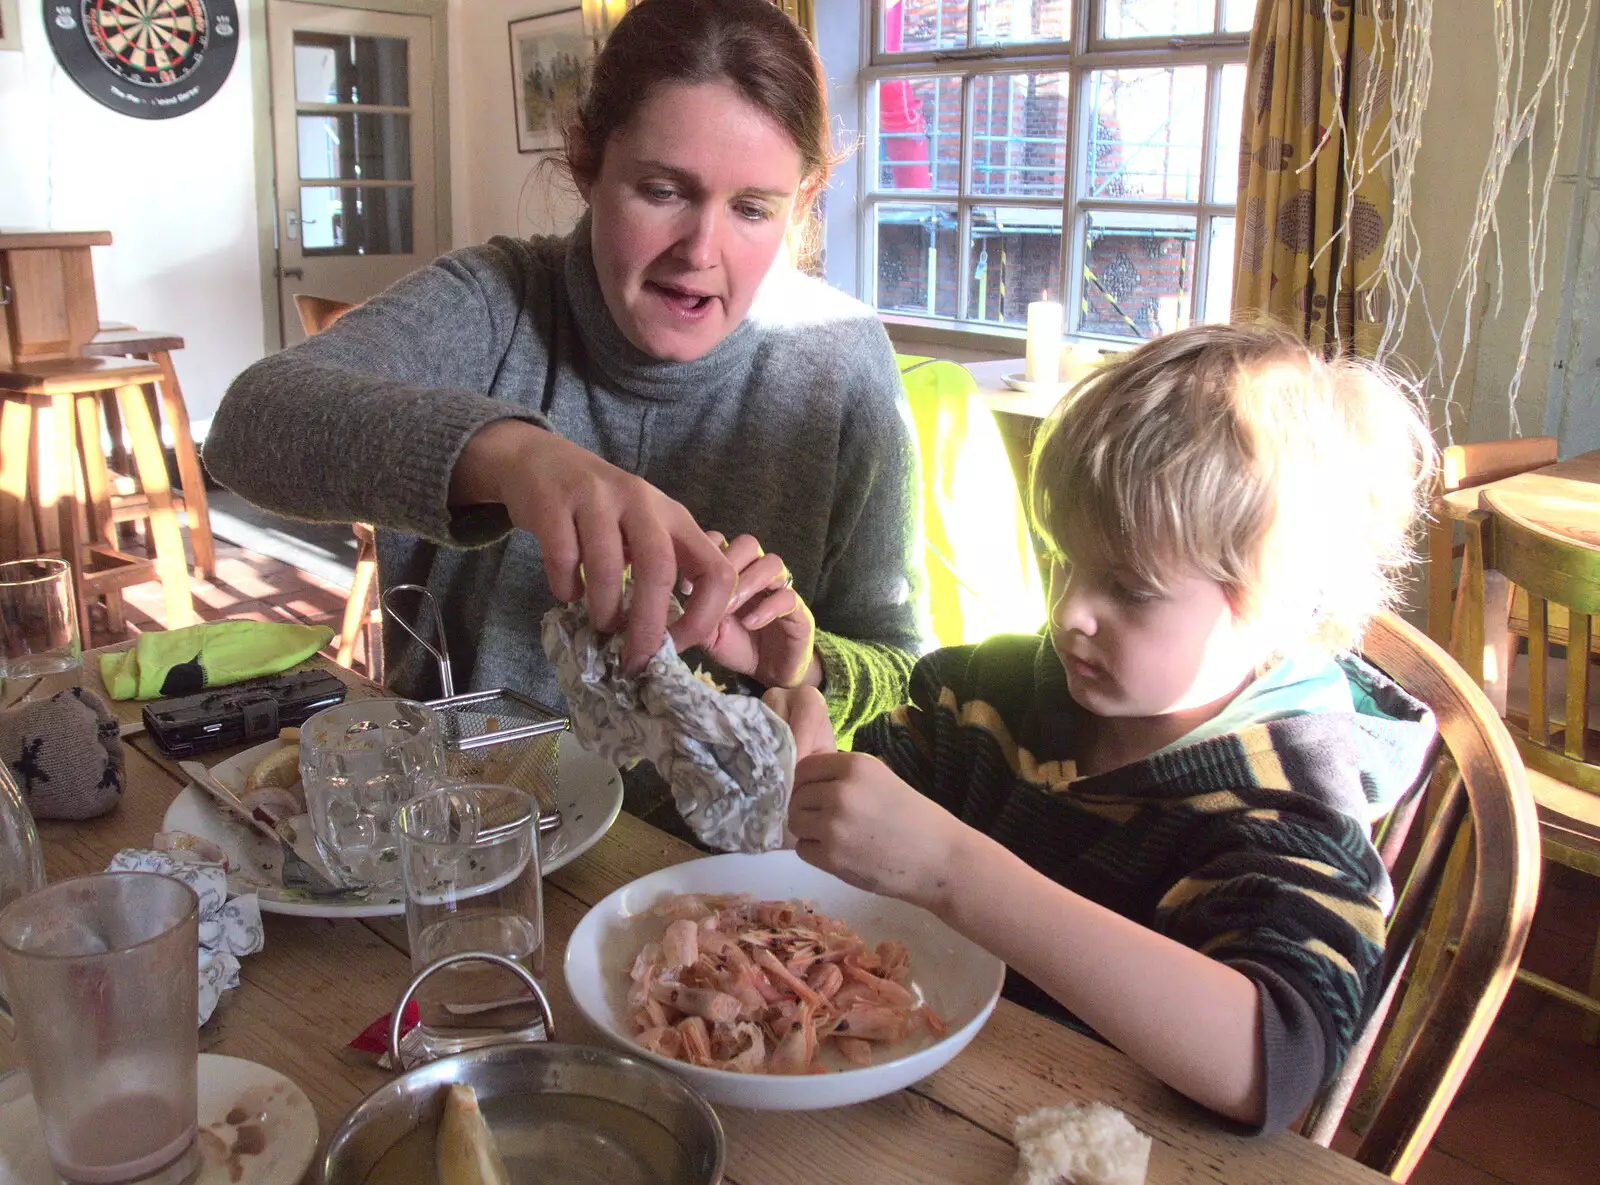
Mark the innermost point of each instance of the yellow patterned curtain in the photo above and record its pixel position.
(1312, 213)
(803, 13)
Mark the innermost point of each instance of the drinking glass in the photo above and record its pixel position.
(470, 860)
(38, 619)
(21, 856)
(359, 761)
(101, 981)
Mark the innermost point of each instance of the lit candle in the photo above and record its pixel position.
(1043, 362)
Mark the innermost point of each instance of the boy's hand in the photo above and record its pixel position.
(854, 818)
(806, 713)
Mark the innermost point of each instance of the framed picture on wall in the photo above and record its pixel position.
(548, 53)
(10, 25)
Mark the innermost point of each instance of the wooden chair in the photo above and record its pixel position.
(316, 314)
(1465, 467)
(1558, 746)
(155, 346)
(1479, 858)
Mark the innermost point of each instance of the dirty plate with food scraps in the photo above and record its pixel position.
(589, 795)
(255, 1127)
(955, 977)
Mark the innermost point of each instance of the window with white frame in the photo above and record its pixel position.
(1081, 150)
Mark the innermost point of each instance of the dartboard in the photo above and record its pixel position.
(152, 59)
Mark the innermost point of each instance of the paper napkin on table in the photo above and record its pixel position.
(228, 929)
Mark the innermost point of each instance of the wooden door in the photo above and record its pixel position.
(353, 146)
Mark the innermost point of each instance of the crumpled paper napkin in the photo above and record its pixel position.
(228, 929)
(729, 758)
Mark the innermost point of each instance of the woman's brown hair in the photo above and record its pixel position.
(749, 44)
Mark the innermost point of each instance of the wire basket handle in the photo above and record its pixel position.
(441, 653)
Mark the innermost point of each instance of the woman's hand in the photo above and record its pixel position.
(854, 818)
(592, 521)
(767, 632)
(806, 713)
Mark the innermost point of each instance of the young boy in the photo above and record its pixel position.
(1159, 814)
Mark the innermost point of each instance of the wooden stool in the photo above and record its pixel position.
(59, 400)
(156, 347)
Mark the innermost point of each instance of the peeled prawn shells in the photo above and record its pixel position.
(466, 1153)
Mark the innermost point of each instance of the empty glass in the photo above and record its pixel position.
(359, 762)
(470, 858)
(100, 976)
(21, 857)
(38, 619)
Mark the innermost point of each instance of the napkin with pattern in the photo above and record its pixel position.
(729, 758)
(229, 929)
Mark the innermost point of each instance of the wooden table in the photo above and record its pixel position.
(1563, 498)
(319, 982)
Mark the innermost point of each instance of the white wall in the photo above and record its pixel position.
(496, 189)
(1455, 145)
(177, 195)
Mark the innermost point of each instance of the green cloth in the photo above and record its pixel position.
(212, 654)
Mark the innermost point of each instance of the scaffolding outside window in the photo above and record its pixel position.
(1084, 150)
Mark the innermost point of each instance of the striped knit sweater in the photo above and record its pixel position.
(1252, 847)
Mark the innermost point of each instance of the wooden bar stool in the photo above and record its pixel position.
(154, 346)
(55, 402)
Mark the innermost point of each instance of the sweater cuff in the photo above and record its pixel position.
(1294, 1049)
(449, 424)
(861, 680)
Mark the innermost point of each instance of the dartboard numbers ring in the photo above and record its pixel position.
(151, 59)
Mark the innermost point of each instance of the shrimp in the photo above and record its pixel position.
(754, 986)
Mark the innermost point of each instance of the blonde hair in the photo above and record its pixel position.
(1235, 452)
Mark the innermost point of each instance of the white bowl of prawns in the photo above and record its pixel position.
(709, 969)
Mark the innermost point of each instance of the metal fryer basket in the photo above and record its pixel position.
(492, 736)
(503, 736)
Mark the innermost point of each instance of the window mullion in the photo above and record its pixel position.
(969, 105)
(1202, 224)
(1073, 191)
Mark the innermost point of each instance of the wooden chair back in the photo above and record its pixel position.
(1481, 841)
(1555, 573)
(319, 312)
(1466, 466)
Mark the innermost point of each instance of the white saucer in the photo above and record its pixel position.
(1017, 383)
(251, 1095)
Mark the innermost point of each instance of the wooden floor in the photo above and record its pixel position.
(1529, 1113)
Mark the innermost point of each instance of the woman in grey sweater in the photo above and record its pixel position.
(659, 390)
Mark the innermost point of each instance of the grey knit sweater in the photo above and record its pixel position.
(793, 429)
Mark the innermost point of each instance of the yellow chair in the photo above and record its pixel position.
(983, 578)
(1479, 858)
(1559, 747)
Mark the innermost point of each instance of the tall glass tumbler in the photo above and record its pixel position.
(470, 859)
(100, 978)
(38, 619)
(359, 761)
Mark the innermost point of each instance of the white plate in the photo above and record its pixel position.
(590, 795)
(252, 1094)
(958, 979)
(1018, 382)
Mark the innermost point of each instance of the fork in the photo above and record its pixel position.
(297, 872)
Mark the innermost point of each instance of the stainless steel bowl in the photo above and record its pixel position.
(561, 1114)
